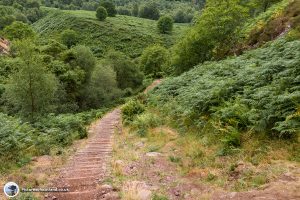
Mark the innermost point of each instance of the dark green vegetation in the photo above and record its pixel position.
(165, 24)
(24, 11)
(122, 33)
(258, 91)
(101, 13)
(182, 11)
(230, 27)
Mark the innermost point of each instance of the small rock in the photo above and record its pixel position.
(106, 187)
(54, 198)
(153, 154)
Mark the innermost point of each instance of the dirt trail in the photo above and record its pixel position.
(84, 171)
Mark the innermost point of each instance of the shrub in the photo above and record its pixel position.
(145, 121)
(165, 24)
(101, 13)
(153, 60)
(131, 109)
(110, 8)
(69, 38)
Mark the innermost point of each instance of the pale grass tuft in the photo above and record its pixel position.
(135, 190)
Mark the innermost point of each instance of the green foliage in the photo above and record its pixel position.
(102, 88)
(149, 11)
(18, 31)
(214, 34)
(110, 8)
(24, 11)
(144, 121)
(101, 13)
(165, 24)
(31, 88)
(69, 38)
(23, 140)
(128, 74)
(153, 60)
(258, 91)
(131, 109)
(130, 35)
(15, 138)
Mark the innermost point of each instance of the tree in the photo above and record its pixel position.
(85, 59)
(110, 8)
(101, 13)
(153, 60)
(149, 11)
(31, 89)
(128, 74)
(165, 24)
(18, 31)
(102, 88)
(216, 31)
(69, 38)
(135, 10)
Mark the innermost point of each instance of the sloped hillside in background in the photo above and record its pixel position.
(123, 33)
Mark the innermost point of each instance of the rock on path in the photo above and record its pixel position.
(88, 167)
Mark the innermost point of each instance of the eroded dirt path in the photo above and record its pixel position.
(85, 170)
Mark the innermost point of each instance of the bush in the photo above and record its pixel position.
(69, 38)
(110, 8)
(153, 60)
(131, 109)
(101, 13)
(165, 24)
(145, 121)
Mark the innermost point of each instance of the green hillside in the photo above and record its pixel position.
(123, 33)
(258, 91)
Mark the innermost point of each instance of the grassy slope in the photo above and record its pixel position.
(258, 91)
(124, 33)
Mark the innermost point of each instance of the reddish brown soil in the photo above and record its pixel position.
(153, 85)
(84, 171)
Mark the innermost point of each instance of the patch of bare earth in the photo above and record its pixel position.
(153, 85)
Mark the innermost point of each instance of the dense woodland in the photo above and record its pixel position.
(230, 68)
